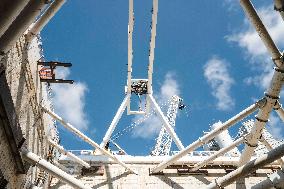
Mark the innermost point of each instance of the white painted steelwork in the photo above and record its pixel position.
(274, 89)
(9, 15)
(53, 170)
(218, 153)
(44, 19)
(249, 167)
(224, 139)
(86, 139)
(152, 51)
(115, 120)
(191, 159)
(21, 24)
(210, 135)
(279, 6)
(165, 122)
(69, 154)
(279, 110)
(164, 140)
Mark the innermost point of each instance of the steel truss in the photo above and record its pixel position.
(269, 102)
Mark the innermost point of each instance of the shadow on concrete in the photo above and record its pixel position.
(169, 182)
(110, 179)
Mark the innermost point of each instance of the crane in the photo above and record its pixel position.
(164, 140)
(140, 87)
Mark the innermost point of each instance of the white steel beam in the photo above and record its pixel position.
(69, 154)
(44, 19)
(249, 167)
(9, 14)
(130, 48)
(262, 31)
(218, 154)
(86, 139)
(269, 147)
(165, 122)
(279, 6)
(26, 17)
(53, 170)
(210, 135)
(274, 89)
(279, 110)
(152, 44)
(274, 180)
(152, 52)
(115, 120)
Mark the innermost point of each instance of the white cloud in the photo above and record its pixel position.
(254, 48)
(152, 126)
(218, 77)
(69, 100)
(275, 126)
(169, 88)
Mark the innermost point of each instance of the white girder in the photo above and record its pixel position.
(209, 136)
(164, 140)
(273, 91)
(87, 139)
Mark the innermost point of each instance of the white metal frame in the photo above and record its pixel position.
(87, 139)
(149, 97)
(69, 154)
(210, 135)
(53, 170)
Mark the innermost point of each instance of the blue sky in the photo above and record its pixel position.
(205, 50)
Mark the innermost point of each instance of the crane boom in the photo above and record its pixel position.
(164, 140)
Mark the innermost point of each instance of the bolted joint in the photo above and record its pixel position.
(250, 144)
(261, 103)
(278, 62)
(277, 105)
(261, 120)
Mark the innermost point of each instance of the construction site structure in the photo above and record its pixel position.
(164, 140)
(31, 156)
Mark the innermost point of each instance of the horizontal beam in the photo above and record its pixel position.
(210, 135)
(86, 139)
(54, 63)
(57, 81)
(248, 168)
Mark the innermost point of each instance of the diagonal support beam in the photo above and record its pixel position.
(279, 6)
(69, 154)
(279, 110)
(272, 94)
(165, 122)
(218, 153)
(262, 31)
(53, 170)
(44, 19)
(115, 120)
(210, 135)
(269, 147)
(249, 167)
(86, 139)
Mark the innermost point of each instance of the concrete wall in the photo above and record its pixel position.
(115, 177)
(26, 92)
